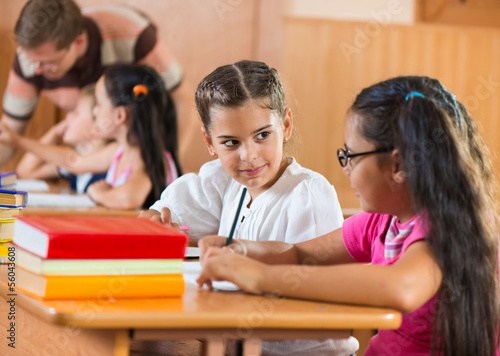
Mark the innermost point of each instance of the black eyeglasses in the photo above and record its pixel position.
(344, 155)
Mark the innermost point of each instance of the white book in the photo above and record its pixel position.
(32, 185)
(60, 200)
(191, 271)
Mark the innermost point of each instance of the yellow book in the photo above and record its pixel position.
(6, 230)
(87, 267)
(6, 213)
(99, 287)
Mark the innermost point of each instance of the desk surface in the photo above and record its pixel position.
(203, 308)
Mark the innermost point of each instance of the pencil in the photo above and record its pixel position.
(231, 233)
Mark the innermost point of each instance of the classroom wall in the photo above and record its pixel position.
(327, 62)
(323, 60)
(353, 10)
(481, 13)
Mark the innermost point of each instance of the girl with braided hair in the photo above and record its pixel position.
(426, 243)
(246, 125)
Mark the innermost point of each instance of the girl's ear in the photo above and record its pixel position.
(287, 124)
(121, 115)
(398, 175)
(208, 141)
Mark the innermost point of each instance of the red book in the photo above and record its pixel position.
(97, 237)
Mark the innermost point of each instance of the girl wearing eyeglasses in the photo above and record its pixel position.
(426, 243)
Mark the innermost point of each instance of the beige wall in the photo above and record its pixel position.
(393, 11)
(327, 62)
(323, 62)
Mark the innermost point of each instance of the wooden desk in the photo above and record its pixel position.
(105, 327)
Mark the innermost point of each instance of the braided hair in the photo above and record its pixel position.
(233, 85)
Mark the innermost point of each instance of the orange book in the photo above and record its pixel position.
(99, 287)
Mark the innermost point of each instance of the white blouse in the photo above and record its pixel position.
(301, 205)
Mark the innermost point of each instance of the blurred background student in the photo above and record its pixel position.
(80, 132)
(72, 48)
(132, 109)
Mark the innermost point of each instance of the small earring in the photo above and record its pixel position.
(214, 155)
(285, 140)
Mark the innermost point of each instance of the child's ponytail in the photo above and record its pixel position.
(153, 121)
(448, 178)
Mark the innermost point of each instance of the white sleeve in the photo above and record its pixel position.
(196, 200)
(313, 211)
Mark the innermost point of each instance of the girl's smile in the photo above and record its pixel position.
(253, 172)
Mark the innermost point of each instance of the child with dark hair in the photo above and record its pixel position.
(427, 241)
(62, 48)
(134, 110)
(246, 125)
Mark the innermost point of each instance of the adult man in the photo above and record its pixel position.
(62, 49)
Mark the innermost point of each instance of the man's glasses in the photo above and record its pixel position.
(52, 65)
(344, 155)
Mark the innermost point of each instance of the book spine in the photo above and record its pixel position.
(104, 287)
(115, 247)
(89, 247)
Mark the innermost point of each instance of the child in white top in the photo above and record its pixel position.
(245, 125)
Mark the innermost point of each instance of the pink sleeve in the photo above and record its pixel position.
(360, 233)
(20, 97)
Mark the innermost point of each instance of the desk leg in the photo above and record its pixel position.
(251, 347)
(122, 343)
(213, 346)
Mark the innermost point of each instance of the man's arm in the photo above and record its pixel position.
(18, 126)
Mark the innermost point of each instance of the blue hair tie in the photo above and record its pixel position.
(414, 93)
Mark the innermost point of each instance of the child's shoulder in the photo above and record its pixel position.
(212, 167)
(304, 176)
(305, 184)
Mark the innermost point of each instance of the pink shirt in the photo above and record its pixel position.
(115, 178)
(364, 236)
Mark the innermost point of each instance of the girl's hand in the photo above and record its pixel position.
(210, 241)
(151, 214)
(60, 128)
(164, 217)
(7, 136)
(219, 241)
(222, 264)
(95, 189)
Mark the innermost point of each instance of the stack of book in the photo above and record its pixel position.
(12, 203)
(89, 257)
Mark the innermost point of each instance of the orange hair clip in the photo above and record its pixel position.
(140, 89)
